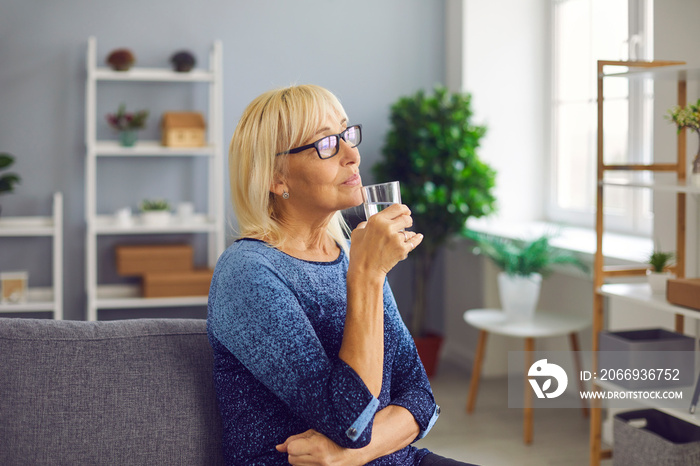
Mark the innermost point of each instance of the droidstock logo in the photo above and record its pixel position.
(541, 370)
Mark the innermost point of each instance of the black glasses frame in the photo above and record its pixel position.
(315, 144)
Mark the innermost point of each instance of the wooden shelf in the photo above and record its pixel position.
(129, 297)
(153, 74)
(639, 294)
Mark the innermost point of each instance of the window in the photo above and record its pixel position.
(585, 31)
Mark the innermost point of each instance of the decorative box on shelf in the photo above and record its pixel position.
(684, 292)
(183, 129)
(137, 260)
(651, 437)
(13, 287)
(171, 284)
(645, 350)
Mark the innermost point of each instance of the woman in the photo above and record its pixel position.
(313, 364)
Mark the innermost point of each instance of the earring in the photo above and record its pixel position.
(285, 195)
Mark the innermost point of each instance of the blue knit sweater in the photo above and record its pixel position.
(276, 325)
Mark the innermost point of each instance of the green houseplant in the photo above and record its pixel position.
(688, 117)
(523, 265)
(150, 205)
(658, 274)
(7, 180)
(430, 149)
(155, 212)
(659, 260)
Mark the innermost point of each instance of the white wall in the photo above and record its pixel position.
(506, 70)
(503, 62)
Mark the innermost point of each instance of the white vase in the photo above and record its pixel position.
(695, 180)
(657, 281)
(519, 295)
(156, 217)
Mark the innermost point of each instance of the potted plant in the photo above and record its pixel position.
(121, 59)
(155, 212)
(430, 149)
(658, 274)
(688, 117)
(7, 180)
(127, 124)
(523, 264)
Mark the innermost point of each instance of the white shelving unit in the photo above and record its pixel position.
(660, 187)
(211, 222)
(40, 299)
(640, 293)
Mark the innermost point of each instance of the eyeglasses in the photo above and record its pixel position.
(329, 146)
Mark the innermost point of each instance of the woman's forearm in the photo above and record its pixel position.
(394, 428)
(363, 334)
(377, 246)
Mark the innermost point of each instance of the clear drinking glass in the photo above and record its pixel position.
(378, 197)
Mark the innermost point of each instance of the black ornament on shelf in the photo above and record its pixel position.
(183, 61)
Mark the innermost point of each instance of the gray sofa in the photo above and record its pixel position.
(129, 392)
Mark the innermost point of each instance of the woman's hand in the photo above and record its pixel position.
(314, 448)
(381, 242)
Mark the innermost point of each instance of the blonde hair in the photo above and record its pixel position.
(274, 122)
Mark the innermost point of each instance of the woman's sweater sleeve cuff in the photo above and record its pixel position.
(353, 397)
(431, 423)
(360, 424)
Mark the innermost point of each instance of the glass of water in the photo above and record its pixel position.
(378, 197)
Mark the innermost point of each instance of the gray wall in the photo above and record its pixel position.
(369, 53)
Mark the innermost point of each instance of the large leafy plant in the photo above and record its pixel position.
(431, 150)
(523, 258)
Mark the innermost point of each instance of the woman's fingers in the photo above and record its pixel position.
(394, 211)
(311, 448)
(396, 217)
(284, 446)
(411, 240)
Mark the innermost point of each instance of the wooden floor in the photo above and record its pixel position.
(492, 435)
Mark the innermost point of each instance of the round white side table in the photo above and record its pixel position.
(544, 324)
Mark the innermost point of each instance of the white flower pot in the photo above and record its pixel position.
(695, 180)
(157, 218)
(519, 295)
(657, 281)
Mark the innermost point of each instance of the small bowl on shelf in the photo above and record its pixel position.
(156, 218)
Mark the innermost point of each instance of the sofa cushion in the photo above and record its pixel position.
(120, 392)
